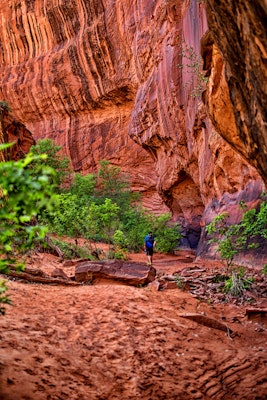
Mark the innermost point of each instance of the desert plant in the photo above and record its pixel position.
(71, 250)
(237, 284)
(179, 281)
(193, 65)
(53, 159)
(23, 196)
(233, 239)
(167, 234)
(223, 236)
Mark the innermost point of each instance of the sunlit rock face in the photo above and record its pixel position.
(121, 81)
(69, 70)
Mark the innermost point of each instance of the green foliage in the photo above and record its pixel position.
(54, 160)
(120, 245)
(193, 66)
(68, 217)
(179, 281)
(232, 239)
(218, 224)
(104, 219)
(167, 234)
(71, 251)
(83, 186)
(223, 237)
(24, 194)
(120, 239)
(96, 206)
(136, 224)
(237, 283)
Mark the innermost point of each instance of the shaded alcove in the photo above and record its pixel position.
(187, 207)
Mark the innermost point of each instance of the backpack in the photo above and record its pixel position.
(149, 242)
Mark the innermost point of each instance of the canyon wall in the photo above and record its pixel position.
(123, 81)
(239, 30)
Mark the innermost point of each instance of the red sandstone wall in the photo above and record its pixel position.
(114, 80)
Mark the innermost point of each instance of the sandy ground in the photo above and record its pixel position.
(115, 342)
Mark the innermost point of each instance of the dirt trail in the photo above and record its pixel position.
(116, 342)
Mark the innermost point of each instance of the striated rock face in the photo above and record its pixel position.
(122, 81)
(238, 92)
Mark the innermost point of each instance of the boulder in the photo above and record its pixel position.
(58, 273)
(129, 272)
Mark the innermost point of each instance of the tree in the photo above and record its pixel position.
(54, 160)
(247, 234)
(166, 233)
(24, 193)
(83, 186)
(113, 184)
(104, 218)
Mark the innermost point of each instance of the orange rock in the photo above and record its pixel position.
(124, 82)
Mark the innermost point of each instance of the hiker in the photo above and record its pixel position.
(149, 245)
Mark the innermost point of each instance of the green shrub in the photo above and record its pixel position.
(237, 284)
(179, 281)
(53, 159)
(103, 208)
(70, 250)
(24, 194)
(167, 234)
(233, 239)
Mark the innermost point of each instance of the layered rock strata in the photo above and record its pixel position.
(122, 81)
(240, 91)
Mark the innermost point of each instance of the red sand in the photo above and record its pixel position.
(110, 341)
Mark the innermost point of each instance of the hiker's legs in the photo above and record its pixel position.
(149, 254)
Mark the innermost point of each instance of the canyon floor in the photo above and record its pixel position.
(109, 341)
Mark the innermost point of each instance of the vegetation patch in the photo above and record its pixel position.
(40, 197)
(238, 285)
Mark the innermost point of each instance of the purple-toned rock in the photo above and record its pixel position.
(132, 273)
(58, 273)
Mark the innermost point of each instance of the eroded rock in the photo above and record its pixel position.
(132, 273)
(115, 80)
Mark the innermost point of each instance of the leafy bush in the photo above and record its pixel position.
(232, 239)
(135, 225)
(70, 250)
(96, 206)
(120, 239)
(24, 194)
(68, 216)
(237, 283)
(179, 281)
(84, 187)
(52, 159)
(167, 235)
